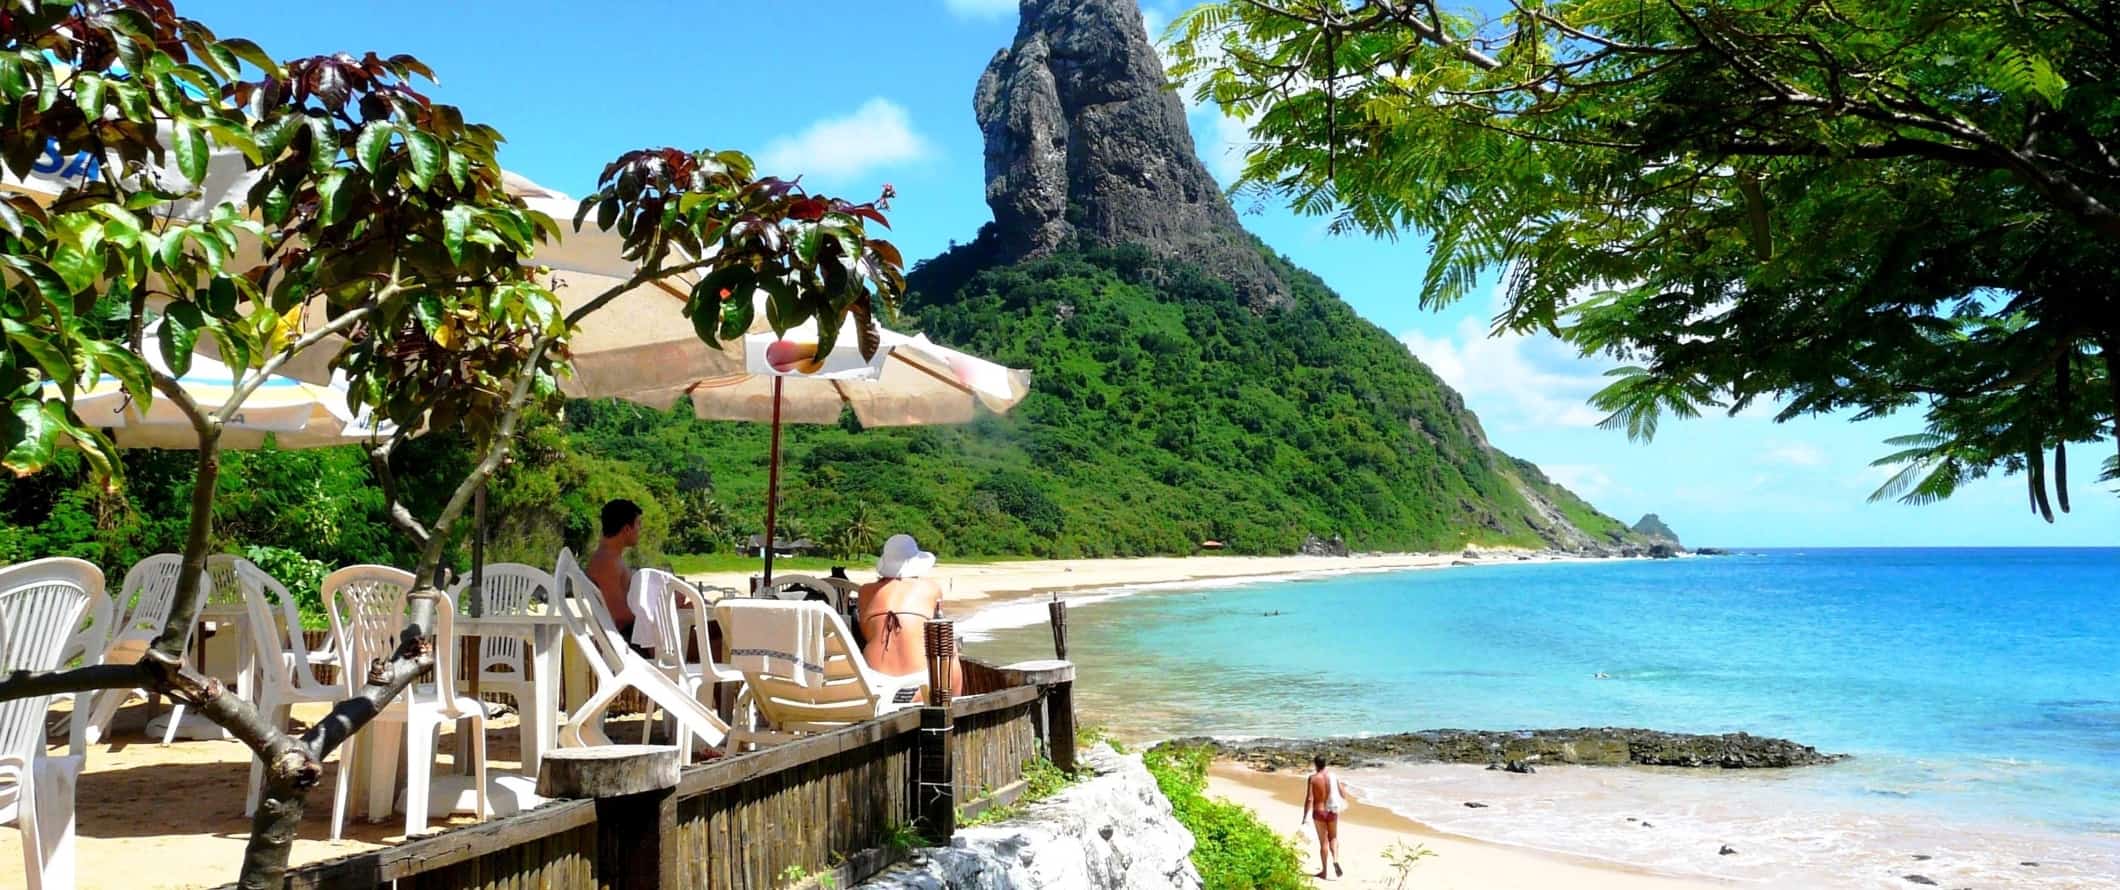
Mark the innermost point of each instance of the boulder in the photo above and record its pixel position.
(1316, 546)
(1114, 831)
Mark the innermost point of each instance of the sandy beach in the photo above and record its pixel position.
(976, 584)
(1367, 831)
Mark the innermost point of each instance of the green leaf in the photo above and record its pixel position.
(180, 335)
(323, 144)
(426, 152)
(327, 197)
(192, 152)
(373, 144)
(130, 371)
(460, 168)
(428, 309)
(32, 434)
(47, 285)
(455, 222)
(255, 55)
(273, 138)
(278, 201)
(88, 93)
(48, 355)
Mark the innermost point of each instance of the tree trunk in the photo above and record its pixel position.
(169, 645)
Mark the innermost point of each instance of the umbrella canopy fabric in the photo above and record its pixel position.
(910, 381)
(294, 414)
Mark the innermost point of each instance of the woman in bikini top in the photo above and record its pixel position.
(895, 610)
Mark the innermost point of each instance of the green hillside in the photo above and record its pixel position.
(1163, 413)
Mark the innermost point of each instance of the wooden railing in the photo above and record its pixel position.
(827, 804)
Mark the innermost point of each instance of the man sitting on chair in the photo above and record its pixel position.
(607, 565)
(895, 610)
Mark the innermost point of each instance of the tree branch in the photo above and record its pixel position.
(400, 515)
(28, 684)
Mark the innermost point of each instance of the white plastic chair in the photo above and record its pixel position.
(286, 674)
(145, 599)
(618, 668)
(702, 677)
(367, 606)
(42, 605)
(503, 661)
(849, 692)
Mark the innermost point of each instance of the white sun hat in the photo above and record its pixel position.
(903, 558)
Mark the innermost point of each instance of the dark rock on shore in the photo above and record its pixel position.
(1710, 551)
(1316, 546)
(1726, 850)
(1605, 746)
(1921, 879)
(1663, 551)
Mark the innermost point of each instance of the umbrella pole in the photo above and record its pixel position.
(773, 483)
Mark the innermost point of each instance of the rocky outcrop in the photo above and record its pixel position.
(1111, 832)
(1588, 746)
(1316, 546)
(1086, 141)
(1653, 528)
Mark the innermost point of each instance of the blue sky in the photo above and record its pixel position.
(858, 94)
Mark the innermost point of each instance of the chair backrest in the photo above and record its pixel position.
(367, 609)
(148, 595)
(581, 605)
(42, 607)
(275, 625)
(850, 692)
(505, 588)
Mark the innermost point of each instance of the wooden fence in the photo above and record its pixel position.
(830, 804)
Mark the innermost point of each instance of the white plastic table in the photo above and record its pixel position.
(545, 632)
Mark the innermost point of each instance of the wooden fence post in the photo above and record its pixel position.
(1058, 610)
(936, 783)
(635, 788)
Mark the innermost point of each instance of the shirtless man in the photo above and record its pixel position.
(895, 610)
(607, 565)
(1322, 801)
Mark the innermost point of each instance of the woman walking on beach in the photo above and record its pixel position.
(1322, 803)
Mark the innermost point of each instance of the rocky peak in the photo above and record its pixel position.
(1654, 529)
(1085, 139)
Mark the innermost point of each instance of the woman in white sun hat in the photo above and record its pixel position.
(895, 610)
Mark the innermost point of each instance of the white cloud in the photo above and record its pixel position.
(1225, 144)
(1513, 381)
(1587, 480)
(981, 9)
(878, 134)
(1795, 454)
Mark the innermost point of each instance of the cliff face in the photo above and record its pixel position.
(1190, 385)
(1085, 140)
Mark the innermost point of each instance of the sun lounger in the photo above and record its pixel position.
(802, 671)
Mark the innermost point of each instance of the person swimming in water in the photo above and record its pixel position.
(895, 609)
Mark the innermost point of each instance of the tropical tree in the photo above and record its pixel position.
(1860, 206)
(375, 233)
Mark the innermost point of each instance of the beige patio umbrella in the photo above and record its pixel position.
(291, 413)
(908, 381)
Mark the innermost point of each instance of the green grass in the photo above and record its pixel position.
(1042, 779)
(1232, 848)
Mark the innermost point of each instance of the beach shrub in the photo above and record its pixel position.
(303, 577)
(1232, 848)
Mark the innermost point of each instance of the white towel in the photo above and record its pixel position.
(648, 596)
(1334, 803)
(778, 638)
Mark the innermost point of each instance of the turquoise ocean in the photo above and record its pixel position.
(1978, 690)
